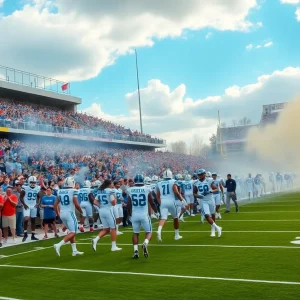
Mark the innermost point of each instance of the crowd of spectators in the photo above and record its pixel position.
(29, 116)
(55, 160)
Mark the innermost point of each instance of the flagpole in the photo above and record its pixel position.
(138, 84)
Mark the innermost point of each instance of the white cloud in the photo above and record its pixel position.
(208, 35)
(267, 45)
(290, 1)
(169, 114)
(75, 40)
(249, 47)
(298, 14)
(259, 46)
(1, 3)
(294, 2)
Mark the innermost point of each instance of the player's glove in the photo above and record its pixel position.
(184, 202)
(201, 196)
(157, 215)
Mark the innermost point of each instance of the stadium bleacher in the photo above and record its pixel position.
(55, 160)
(29, 116)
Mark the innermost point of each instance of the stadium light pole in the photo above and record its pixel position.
(138, 84)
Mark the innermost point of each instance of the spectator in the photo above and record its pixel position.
(9, 213)
(1, 207)
(5, 184)
(47, 204)
(2, 165)
(19, 209)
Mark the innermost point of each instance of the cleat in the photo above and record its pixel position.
(116, 249)
(25, 237)
(181, 219)
(227, 211)
(219, 216)
(219, 231)
(33, 238)
(81, 229)
(145, 250)
(237, 209)
(192, 215)
(91, 229)
(159, 236)
(94, 245)
(178, 237)
(202, 219)
(188, 212)
(119, 233)
(77, 253)
(57, 249)
(136, 254)
(213, 234)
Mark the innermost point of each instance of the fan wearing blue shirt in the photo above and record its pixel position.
(47, 204)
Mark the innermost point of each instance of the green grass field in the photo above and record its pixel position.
(254, 259)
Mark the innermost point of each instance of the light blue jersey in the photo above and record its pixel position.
(119, 196)
(83, 194)
(188, 187)
(204, 188)
(30, 197)
(139, 199)
(166, 190)
(217, 184)
(65, 197)
(104, 197)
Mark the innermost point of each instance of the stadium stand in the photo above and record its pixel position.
(55, 160)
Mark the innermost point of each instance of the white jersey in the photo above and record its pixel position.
(139, 199)
(188, 187)
(104, 197)
(30, 197)
(65, 197)
(83, 194)
(166, 190)
(204, 187)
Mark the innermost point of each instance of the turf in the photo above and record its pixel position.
(233, 256)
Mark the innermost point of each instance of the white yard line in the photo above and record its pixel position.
(156, 275)
(230, 231)
(7, 298)
(21, 253)
(217, 246)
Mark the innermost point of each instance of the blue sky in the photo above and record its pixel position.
(197, 63)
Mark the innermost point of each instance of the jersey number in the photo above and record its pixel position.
(166, 189)
(138, 200)
(31, 196)
(64, 200)
(83, 197)
(203, 188)
(103, 199)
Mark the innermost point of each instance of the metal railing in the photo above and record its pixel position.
(33, 80)
(72, 132)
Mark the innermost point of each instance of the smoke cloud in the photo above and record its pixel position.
(279, 143)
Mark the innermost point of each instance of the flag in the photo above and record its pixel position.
(65, 86)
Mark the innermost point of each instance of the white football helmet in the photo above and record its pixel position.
(168, 174)
(179, 177)
(97, 183)
(155, 179)
(147, 180)
(32, 181)
(87, 184)
(69, 182)
(188, 177)
(208, 174)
